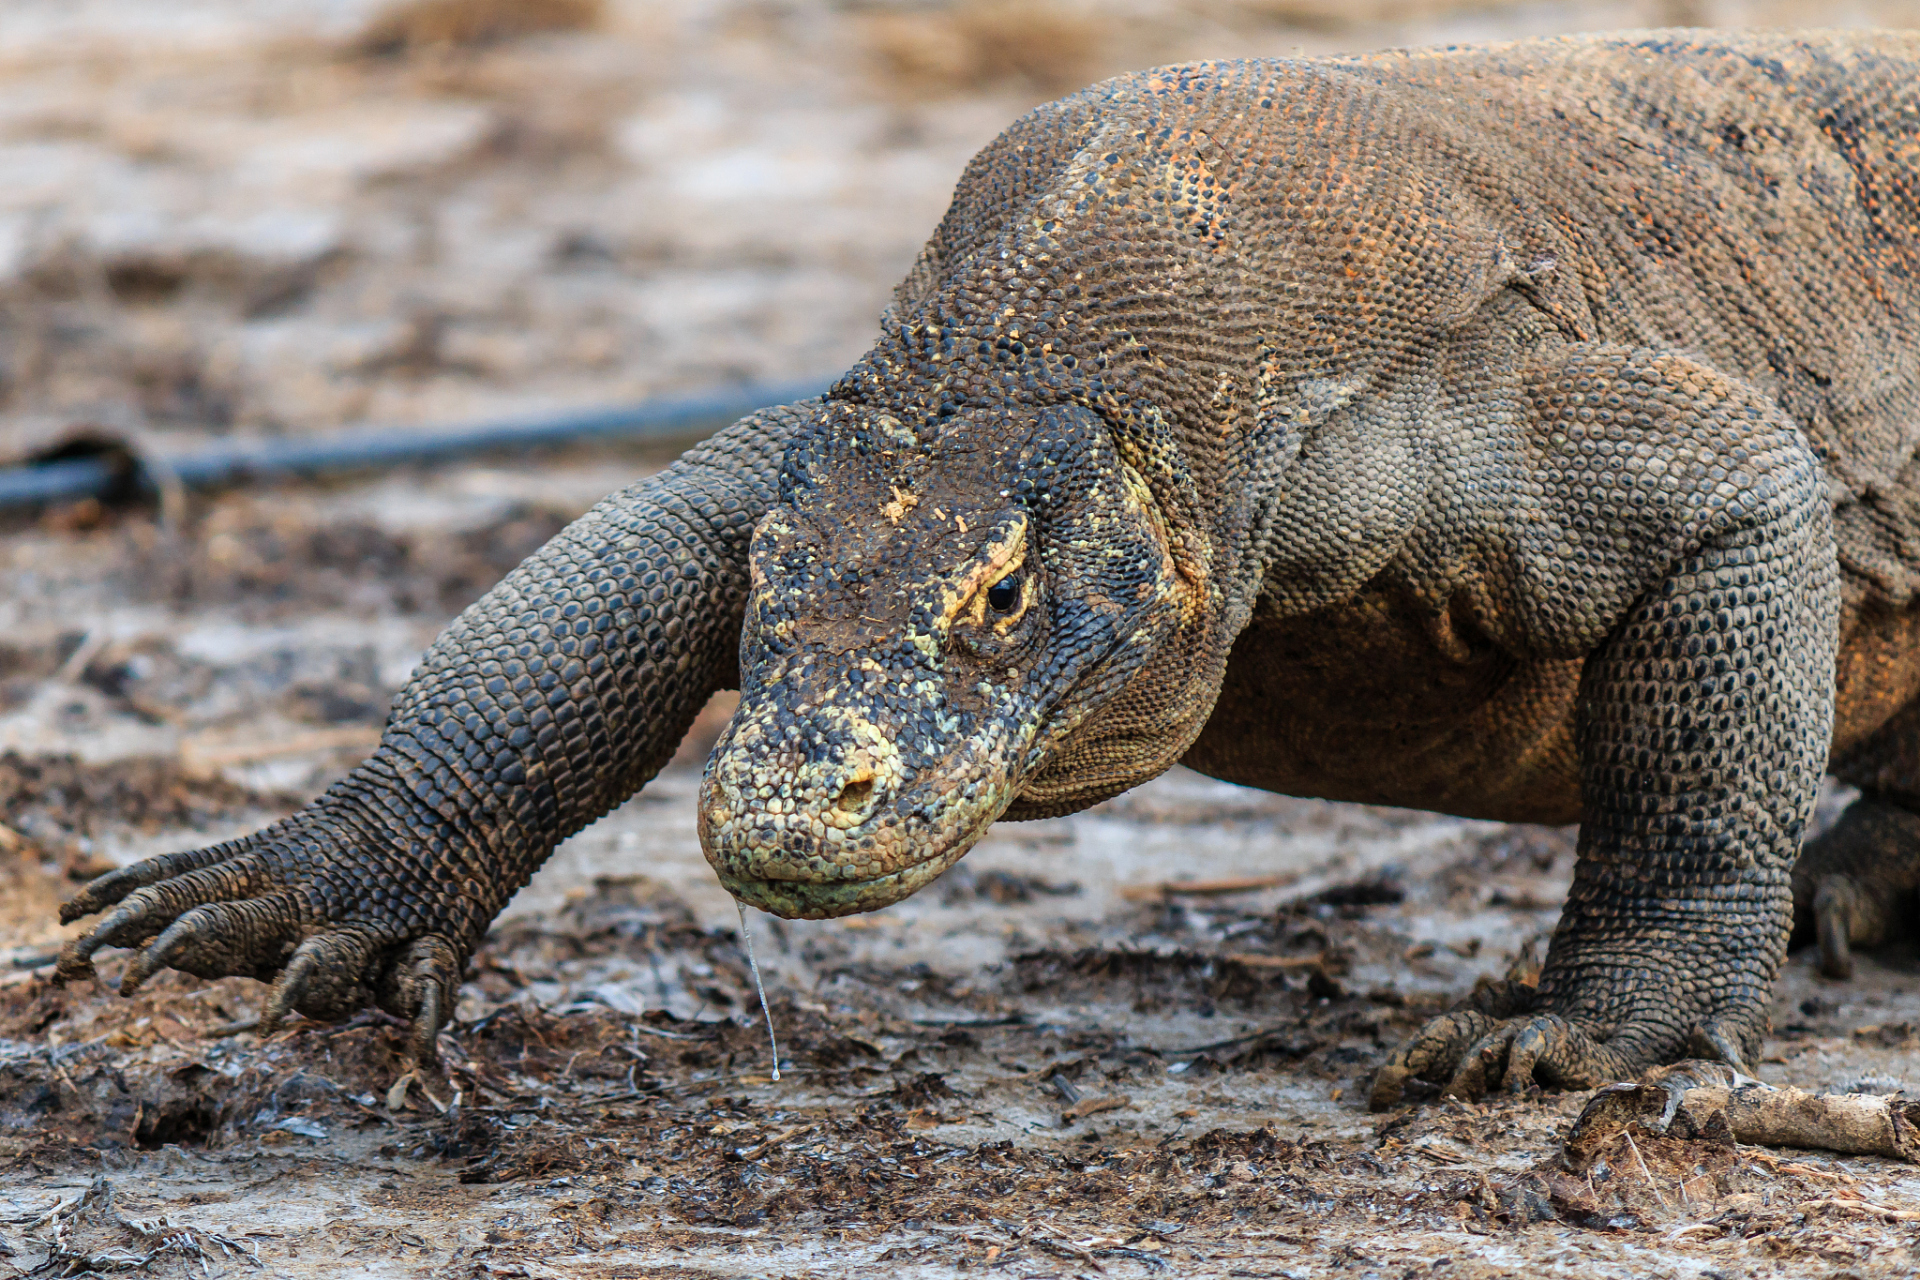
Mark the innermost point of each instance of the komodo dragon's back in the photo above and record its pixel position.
(1750, 196)
(1526, 431)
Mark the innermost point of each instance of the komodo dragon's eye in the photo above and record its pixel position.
(1004, 594)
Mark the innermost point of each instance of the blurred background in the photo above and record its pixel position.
(280, 216)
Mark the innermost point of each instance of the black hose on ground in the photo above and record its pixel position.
(66, 479)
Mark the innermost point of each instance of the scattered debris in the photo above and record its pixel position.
(89, 1236)
(53, 801)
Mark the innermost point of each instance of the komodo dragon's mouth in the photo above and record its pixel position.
(833, 818)
(816, 900)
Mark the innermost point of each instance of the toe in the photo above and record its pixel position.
(1833, 915)
(1734, 1042)
(104, 891)
(1483, 1062)
(422, 987)
(146, 913)
(220, 938)
(1534, 1045)
(1541, 1048)
(327, 977)
(1432, 1051)
(133, 922)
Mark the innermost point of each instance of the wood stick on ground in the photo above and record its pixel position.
(1255, 961)
(1094, 1106)
(1862, 1206)
(1709, 1099)
(1205, 888)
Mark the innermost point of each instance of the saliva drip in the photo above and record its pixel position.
(746, 934)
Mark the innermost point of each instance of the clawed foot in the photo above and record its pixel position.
(1496, 1039)
(1504, 1038)
(1855, 886)
(252, 908)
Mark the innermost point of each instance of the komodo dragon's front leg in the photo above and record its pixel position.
(549, 701)
(1677, 531)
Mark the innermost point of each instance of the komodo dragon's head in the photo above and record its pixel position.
(943, 625)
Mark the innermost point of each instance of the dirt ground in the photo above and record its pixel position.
(1131, 1042)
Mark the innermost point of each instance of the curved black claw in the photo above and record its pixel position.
(424, 985)
(248, 908)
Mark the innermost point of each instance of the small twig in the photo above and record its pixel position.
(1254, 961)
(1206, 888)
(482, 1081)
(83, 654)
(614, 1099)
(749, 1154)
(1094, 1106)
(640, 1029)
(234, 1028)
(1644, 1172)
(60, 1069)
(200, 758)
(1233, 1043)
(1808, 1171)
(690, 1087)
(58, 1209)
(1064, 1242)
(1863, 1206)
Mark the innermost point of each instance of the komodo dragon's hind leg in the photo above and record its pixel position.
(1858, 883)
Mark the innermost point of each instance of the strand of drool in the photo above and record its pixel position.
(746, 933)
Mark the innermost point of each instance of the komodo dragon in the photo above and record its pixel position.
(1525, 432)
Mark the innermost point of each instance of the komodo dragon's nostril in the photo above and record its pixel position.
(854, 797)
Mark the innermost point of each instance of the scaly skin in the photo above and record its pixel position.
(548, 702)
(1524, 432)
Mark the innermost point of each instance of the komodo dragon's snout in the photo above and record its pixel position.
(927, 623)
